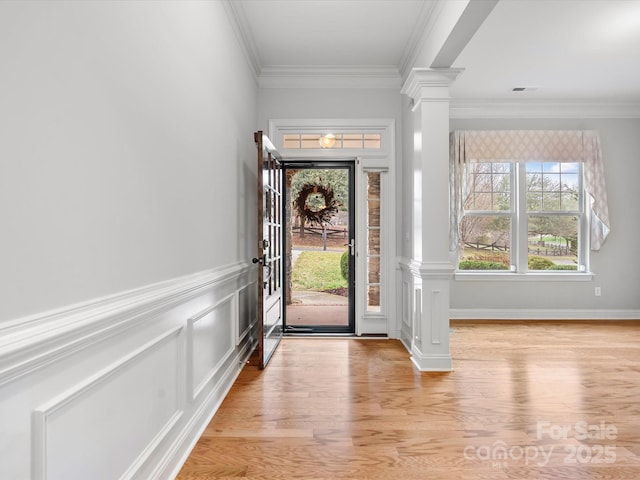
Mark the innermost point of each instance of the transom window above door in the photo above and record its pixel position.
(332, 140)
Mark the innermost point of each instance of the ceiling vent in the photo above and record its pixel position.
(524, 89)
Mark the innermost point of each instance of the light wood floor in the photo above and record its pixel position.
(516, 407)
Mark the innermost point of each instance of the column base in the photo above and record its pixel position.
(432, 363)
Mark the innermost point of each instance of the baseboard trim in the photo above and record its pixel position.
(432, 363)
(541, 314)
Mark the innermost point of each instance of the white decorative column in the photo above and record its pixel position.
(431, 268)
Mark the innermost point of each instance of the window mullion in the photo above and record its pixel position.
(521, 219)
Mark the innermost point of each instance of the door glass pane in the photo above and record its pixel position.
(352, 140)
(316, 237)
(373, 241)
(291, 140)
(310, 141)
(372, 140)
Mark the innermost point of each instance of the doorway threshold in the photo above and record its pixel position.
(320, 334)
(311, 334)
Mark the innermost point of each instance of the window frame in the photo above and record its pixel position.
(519, 217)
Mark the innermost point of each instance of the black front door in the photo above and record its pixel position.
(319, 248)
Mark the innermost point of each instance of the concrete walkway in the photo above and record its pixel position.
(318, 298)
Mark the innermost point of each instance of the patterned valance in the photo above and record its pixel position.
(531, 145)
(523, 145)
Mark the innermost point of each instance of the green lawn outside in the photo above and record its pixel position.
(317, 271)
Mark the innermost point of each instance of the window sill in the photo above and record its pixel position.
(524, 277)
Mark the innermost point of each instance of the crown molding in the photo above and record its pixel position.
(496, 108)
(238, 20)
(429, 83)
(426, 20)
(330, 76)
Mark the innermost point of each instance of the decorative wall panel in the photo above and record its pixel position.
(123, 386)
(73, 432)
(212, 338)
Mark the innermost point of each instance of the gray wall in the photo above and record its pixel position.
(126, 148)
(336, 103)
(616, 265)
(327, 103)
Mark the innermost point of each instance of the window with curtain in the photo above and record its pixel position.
(526, 201)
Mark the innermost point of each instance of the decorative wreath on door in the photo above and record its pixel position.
(322, 215)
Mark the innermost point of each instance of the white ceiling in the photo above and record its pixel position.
(331, 32)
(568, 49)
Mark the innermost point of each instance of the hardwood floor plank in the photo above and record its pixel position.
(518, 405)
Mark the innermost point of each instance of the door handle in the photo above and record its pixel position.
(263, 261)
(352, 246)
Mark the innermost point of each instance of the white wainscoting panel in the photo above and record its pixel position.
(122, 387)
(436, 311)
(405, 308)
(87, 432)
(212, 340)
(246, 300)
(417, 318)
(406, 304)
